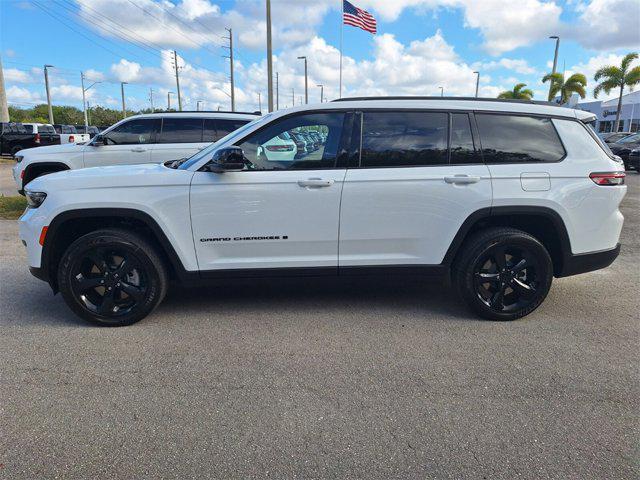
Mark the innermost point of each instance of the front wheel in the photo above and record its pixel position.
(112, 277)
(503, 273)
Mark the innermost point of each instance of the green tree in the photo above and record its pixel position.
(518, 92)
(576, 83)
(620, 77)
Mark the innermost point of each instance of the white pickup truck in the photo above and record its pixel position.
(69, 134)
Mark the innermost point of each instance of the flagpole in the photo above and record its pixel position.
(341, 29)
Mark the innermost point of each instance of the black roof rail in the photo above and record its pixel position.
(205, 111)
(475, 99)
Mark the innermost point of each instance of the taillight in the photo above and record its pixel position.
(71, 139)
(37, 138)
(608, 178)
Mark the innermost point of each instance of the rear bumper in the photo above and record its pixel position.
(588, 262)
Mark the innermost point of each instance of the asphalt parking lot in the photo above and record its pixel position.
(328, 379)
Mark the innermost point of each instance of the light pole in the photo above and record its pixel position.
(84, 101)
(477, 82)
(46, 85)
(306, 89)
(124, 110)
(441, 91)
(269, 58)
(259, 102)
(555, 63)
(169, 100)
(321, 92)
(293, 97)
(198, 105)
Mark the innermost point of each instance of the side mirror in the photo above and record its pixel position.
(230, 159)
(99, 140)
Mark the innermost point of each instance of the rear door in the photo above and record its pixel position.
(128, 143)
(418, 178)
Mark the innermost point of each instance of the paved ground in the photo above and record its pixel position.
(7, 185)
(319, 379)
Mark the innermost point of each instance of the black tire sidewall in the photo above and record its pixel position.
(466, 272)
(156, 282)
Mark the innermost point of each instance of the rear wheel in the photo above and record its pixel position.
(503, 273)
(112, 277)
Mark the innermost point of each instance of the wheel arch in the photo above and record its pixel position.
(542, 222)
(70, 225)
(32, 170)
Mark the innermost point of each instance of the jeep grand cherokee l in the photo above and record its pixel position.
(498, 196)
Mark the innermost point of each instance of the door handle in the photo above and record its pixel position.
(462, 179)
(139, 149)
(315, 183)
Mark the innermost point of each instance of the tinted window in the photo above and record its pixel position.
(181, 130)
(394, 139)
(69, 129)
(28, 128)
(516, 139)
(462, 149)
(215, 129)
(46, 129)
(275, 147)
(131, 133)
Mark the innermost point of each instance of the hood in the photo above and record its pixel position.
(112, 177)
(53, 149)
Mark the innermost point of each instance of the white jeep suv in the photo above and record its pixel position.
(498, 196)
(149, 138)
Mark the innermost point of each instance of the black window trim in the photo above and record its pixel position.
(522, 114)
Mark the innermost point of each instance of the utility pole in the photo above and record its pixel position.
(321, 92)
(306, 88)
(477, 82)
(269, 58)
(88, 112)
(169, 100)
(555, 63)
(151, 99)
(4, 107)
(46, 85)
(277, 92)
(259, 103)
(293, 98)
(230, 57)
(124, 110)
(84, 102)
(175, 64)
(441, 91)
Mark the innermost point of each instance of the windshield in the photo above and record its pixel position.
(207, 152)
(630, 139)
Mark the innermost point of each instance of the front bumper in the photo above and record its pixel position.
(588, 262)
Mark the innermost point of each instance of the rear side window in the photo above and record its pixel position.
(462, 147)
(396, 139)
(46, 129)
(215, 129)
(518, 139)
(69, 129)
(181, 130)
(29, 128)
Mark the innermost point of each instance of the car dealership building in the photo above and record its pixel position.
(605, 112)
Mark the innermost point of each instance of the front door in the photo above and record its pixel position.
(128, 143)
(282, 210)
(411, 193)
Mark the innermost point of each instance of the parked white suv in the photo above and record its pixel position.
(499, 196)
(149, 138)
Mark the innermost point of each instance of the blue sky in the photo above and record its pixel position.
(420, 46)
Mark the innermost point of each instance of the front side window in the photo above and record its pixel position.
(216, 128)
(276, 148)
(181, 130)
(396, 139)
(518, 139)
(133, 132)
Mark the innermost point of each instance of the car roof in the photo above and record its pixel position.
(222, 115)
(444, 103)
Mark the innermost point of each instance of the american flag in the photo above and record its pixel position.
(358, 17)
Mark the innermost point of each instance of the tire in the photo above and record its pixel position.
(112, 277)
(503, 273)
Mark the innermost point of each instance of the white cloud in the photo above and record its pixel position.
(608, 24)
(17, 76)
(591, 66)
(17, 94)
(518, 65)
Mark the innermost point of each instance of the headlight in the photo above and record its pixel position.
(18, 158)
(35, 199)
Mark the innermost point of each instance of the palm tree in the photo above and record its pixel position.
(617, 77)
(518, 92)
(576, 83)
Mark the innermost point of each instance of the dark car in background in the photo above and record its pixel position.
(92, 130)
(614, 137)
(15, 137)
(623, 148)
(45, 133)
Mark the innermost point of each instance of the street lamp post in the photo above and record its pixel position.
(259, 102)
(46, 85)
(441, 91)
(555, 62)
(198, 105)
(169, 100)
(306, 89)
(477, 82)
(84, 101)
(124, 110)
(321, 92)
